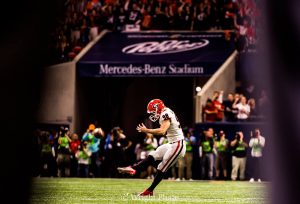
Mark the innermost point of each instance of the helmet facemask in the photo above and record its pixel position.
(154, 116)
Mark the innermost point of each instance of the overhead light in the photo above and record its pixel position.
(198, 89)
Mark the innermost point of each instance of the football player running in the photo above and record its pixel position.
(168, 153)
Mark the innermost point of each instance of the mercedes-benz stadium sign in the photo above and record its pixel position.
(156, 54)
(164, 47)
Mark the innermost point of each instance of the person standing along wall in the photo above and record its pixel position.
(238, 156)
(187, 160)
(83, 155)
(64, 154)
(207, 156)
(222, 146)
(257, 143)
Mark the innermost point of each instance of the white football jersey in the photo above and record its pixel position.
(174, 132)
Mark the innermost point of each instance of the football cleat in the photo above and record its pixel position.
(127, 170)
(146, 193)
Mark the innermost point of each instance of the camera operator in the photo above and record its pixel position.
(257, 143)
(239, 152)
(222, 146)
(83, 156)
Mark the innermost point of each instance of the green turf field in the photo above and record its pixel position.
(96, 190)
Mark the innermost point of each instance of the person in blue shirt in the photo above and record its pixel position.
(93, 145)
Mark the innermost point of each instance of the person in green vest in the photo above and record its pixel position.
(187, 160)
(47, 159)
(206, 154)
(83, 156)
(239, 153)
(64, 154)
(222, 147)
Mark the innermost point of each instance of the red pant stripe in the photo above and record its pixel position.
(177, 148)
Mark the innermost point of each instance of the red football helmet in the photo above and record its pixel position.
(155, 107)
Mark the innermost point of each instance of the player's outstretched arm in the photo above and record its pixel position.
(162, 130)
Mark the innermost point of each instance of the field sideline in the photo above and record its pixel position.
(101, 190)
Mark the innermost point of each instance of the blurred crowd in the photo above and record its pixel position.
(93, 154)
(83, 20)
(249, 106)
(96, 154)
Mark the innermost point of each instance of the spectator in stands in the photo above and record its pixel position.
(253, 110)
(229, 112)
(239, 152)
(186, 15)
(146, 23)
(63, 47)
(134, 16)
(159, 19)
(250, 90)
(222, 146)
(200, 18)
(228, 14)
(108, 14)
(83, 155)
(210, 6)
(242, 33)
(120, 19)
(84, 19)
(242, 107)
(257, 143)
(75, 30)
(209, 111)
(217, 101)
(94, 29)
(263, 103)
(172, 11)
(207, 157)
(127, 5)
(84, 31)
(63, 157)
